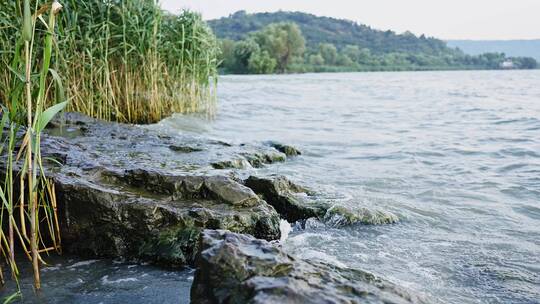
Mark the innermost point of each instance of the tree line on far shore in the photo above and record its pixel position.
(281, 47)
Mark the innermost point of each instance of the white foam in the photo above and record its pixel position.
(83, 263)
(285, 229)
(105, 280)
(52, 268)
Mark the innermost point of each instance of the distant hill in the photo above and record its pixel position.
(338, 32)
(287, 42)
(514, 48)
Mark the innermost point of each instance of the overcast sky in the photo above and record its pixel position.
(445, 19)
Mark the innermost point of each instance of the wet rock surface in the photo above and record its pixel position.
(129, 191)
(173, 199)
(285, 196)
(338, 216)
(286, 149)
(296, 203)
(235, 268)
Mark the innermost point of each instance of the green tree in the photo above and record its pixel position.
(242, 53)
(329, 52)
(226, 57)
(283, 41)
(261, 63)
(352, 51)
(316, 59)
(344, 60)
(364, 57)
(526, 62)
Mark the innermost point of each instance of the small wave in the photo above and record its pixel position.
(474, 110)
(519, 152)
(529, 211)
(526, 120)
(52, 268)
(507, 121)
(511, 167)
(466, 152)
(105, 280)
(506, 139)
(83, 263)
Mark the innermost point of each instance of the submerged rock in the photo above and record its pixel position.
(292, 203)
(254, 159)
(286, 149)
(281, 193)
(239, 163)
(184, 149)
(258, 160)
(340, 216)
(235, 268)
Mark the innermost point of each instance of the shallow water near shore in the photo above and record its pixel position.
(70, 279)
(455, 155)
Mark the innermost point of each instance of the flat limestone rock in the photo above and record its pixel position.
(122, 191)
(159, 221)
(236, 268)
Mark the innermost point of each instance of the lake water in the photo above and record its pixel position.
(73, 280)
(455, 155)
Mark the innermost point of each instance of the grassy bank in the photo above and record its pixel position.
(124, 61)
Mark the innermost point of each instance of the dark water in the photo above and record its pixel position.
(80, 281)
(455, 155)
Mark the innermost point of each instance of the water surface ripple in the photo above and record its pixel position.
(456, 155)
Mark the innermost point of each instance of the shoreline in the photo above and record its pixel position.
(385, 71)
(130, 192)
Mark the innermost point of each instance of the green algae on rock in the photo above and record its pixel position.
(284, 196)
(286, 149)
(341, 216)
(124, 192)
(159, 220)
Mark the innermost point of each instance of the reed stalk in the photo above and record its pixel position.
(120, 60)
(24, 109)
(129, 61)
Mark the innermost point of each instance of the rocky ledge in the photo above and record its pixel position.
(235, 268)
(133, 192)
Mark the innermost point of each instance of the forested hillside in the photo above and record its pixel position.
(301, 42)
(338, 32)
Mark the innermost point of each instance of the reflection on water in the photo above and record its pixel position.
(456, 155)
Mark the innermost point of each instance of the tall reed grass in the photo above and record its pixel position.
(33, 89)
(122, 60)
(127, 60)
